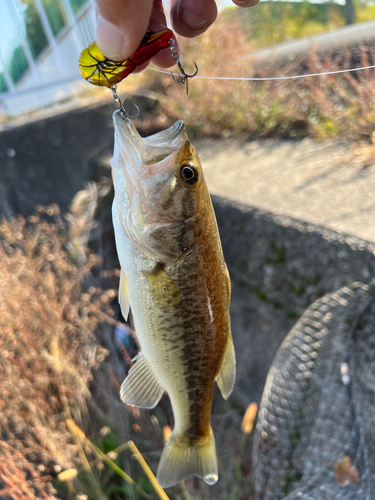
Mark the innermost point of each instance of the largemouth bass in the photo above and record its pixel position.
(174, 278)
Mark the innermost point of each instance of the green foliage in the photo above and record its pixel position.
(3, 83)
(261, 295)
(108, 442)
(365, 12)
(276, 22)
(77, 4)
(56, 14)
(292, 314)
(291, 479)
(328, 128)
(17, 64)
(107, 479)
(36, 37)
(279, 255)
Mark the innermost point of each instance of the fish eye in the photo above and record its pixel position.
(188, 175)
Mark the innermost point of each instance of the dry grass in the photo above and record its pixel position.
(47, 349)
(340, 106)
(20, 480)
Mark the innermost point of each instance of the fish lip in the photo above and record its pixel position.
(124, 129)
(168, 135)
(149, 148)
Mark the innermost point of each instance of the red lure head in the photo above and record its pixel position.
(151, 44)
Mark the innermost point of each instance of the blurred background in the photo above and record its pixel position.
(40, 41)
(290, 165)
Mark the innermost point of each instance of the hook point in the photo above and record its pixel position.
(127, 114)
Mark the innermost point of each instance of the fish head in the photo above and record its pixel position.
(158, 181)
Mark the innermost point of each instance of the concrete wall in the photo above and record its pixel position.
(46, 161)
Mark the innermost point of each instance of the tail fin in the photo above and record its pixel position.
(181, 460)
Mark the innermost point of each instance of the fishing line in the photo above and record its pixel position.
(267, 78)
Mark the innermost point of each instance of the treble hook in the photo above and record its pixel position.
(183, 76)
(123, 112)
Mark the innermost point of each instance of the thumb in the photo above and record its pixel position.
(121, 25)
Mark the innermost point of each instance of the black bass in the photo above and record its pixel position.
(174, 278)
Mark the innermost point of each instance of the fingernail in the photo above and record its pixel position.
(191, 20)
(109, 37)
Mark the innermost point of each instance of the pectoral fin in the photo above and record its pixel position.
(227, 374)
(141, 388)
(123, 295)
(164, 291)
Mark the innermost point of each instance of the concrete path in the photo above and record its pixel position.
(311, 181)
(347, 35)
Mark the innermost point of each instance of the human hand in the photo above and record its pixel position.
(121, 24)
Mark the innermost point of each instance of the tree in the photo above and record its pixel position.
(349, 11)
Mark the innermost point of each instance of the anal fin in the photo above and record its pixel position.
(227, 374)
(141, 388)
(123, 295)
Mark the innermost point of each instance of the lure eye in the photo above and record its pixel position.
(147, 37)
(188, 175)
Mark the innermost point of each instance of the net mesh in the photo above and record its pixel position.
(315, 437)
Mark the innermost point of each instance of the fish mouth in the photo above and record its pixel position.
(137, 159)
(147, 150)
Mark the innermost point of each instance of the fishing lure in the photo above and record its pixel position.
(100, 71)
